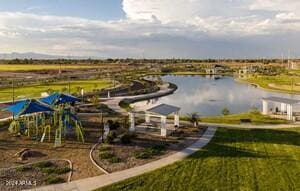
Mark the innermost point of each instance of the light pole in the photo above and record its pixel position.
(13, 90)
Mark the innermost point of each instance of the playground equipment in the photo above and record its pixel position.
(63, 118)
(37, 118)
(29, 118)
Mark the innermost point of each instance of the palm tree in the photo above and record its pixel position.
(193, 118)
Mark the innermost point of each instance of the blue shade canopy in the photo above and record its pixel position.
(28, 107)
(59, 98)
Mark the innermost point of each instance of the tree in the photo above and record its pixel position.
(193, 118)
(95, 100)
(225, 111)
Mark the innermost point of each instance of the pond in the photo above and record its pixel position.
(208, 95)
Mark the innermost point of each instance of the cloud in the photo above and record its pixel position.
(162, 28)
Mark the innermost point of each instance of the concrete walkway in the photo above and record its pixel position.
(107, 179)
(113, 102)
(252, 126)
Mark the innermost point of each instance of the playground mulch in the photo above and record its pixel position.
(125, 154)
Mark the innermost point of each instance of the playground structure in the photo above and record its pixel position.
(38, 119)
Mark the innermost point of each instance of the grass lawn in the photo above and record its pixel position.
(256, 118)
(18, 67)
(36, 90)
(278, 83)
(236, 159)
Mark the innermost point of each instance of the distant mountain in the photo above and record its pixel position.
(33, 55)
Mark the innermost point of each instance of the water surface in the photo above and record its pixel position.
(209, 95)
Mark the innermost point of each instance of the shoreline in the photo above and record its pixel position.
(266, 89)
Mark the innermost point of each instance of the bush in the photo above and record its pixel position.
(110, 137)
(106, 155)
(62, 170)
(127, 137)
(115, 160)
(56, 170)
(44, 164)
(113, 125)
(142, 155)
(104, 148)
(23, 168)
(255, 111)
(225, 111)
(48, 170)
(52, 179)
(149, 152)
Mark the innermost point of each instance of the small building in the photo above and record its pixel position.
(216, 69)
(161, 111)
(283, 106)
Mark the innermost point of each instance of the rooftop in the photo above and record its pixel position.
(282, 100)
(164, 109)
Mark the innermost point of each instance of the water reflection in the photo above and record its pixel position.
(208, 95)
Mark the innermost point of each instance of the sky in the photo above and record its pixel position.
(152, 28)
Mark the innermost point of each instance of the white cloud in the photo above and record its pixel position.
(161, 28)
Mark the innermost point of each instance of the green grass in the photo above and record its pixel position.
(236, 159)
(280, 83)
(255, 118)
(36, 90)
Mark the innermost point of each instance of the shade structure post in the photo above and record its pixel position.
(265, 107)
(163, 130)
(108, 94)
(132, 122)
(289, 112)
(176, 119)
(283, 107)
(147, 117)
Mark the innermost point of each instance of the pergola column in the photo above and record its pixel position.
(176, 119)
(147, 117)
(265, 107)
(132, 122)
(289, 112)
(108, 94)
(163, 130)
(283, 107)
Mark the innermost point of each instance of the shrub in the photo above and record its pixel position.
(104, 148)
(113, 124)
(142, 155)
(225, 111)
(52, 179)
(48, 170)
(110, 137)
(106, 155)
(149, 152)
(62, 170)
(23, 168)
(254, 111)
(44, 164)
(115, 160)
(127, 137)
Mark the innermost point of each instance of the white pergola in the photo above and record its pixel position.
(162, 111)
(286, 105)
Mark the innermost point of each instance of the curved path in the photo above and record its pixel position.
(113, 102)
(107, 179)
